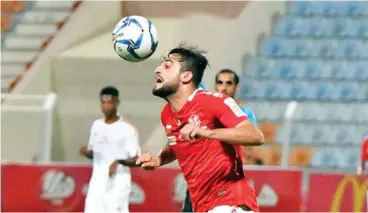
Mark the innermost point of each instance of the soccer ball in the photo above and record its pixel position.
(134, 38)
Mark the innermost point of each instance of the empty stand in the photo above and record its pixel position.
(26, 28)
(316, 54)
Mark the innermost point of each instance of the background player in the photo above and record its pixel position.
(205, 131)
(114, 147)
(227, 82)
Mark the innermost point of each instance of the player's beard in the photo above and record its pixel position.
(164, 91)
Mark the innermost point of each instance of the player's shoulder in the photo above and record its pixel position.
(98, 122)
(205, 96)
(165, 112)
(127, 125)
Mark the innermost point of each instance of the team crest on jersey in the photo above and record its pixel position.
(194, 119)
(168, 130)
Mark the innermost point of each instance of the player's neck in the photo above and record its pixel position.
(111, 119)
(180, 98)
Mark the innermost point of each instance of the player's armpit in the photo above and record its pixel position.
(245, 134)
(166, 155)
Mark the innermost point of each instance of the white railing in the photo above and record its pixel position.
(16, 103)
(288, 124)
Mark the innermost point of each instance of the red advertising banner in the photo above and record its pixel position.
(337, 193)
(26, 188)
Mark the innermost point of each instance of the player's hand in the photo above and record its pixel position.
(83, 150)
(113, 168)
(148, 162)
(191, 132)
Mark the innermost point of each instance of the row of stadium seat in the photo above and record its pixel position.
(303, 90)
(313, 133)
(335, 157)
(312, 112)
(329, 8)
(320, 27)
(263, 67)
(301, 155)
(325, 48)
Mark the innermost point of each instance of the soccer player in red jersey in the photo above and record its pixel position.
(364, 156)
(205, 131)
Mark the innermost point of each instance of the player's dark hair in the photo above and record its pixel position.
(109, 90)
(229, 71)
(193, 61)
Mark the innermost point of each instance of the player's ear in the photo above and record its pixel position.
(186, 76)
(237, 88)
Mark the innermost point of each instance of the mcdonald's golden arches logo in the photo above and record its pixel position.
(359, 191)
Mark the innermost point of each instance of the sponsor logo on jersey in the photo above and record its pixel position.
(194, 119)
(168, 130)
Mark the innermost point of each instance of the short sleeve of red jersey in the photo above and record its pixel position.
(224, 108)
(364, 149)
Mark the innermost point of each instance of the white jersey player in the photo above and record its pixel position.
(114, 147)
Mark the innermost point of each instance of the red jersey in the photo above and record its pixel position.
(364, 159)
(212, 169)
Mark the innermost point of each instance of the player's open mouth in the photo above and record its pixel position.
(158, 79)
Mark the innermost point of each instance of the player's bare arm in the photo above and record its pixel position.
(150, 162)
(86, 153)
(244, 134)
(130, 162)
(166, 155)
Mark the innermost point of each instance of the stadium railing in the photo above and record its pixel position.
(288, 122)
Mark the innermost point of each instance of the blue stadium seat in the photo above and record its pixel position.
(342, 27)
(290, 26)
(348, 91)
(361, 70)
(259, 67)
(348, 157)
(328, 8)
(324, 157)
(277, 90)
(362, 27)
(277, 47)
(300, 134)
(304, 8)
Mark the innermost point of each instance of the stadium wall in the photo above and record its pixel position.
(80, 72)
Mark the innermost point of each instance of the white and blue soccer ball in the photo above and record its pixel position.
(134, 38)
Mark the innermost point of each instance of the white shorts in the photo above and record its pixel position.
(228, 209)
(115, 197)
